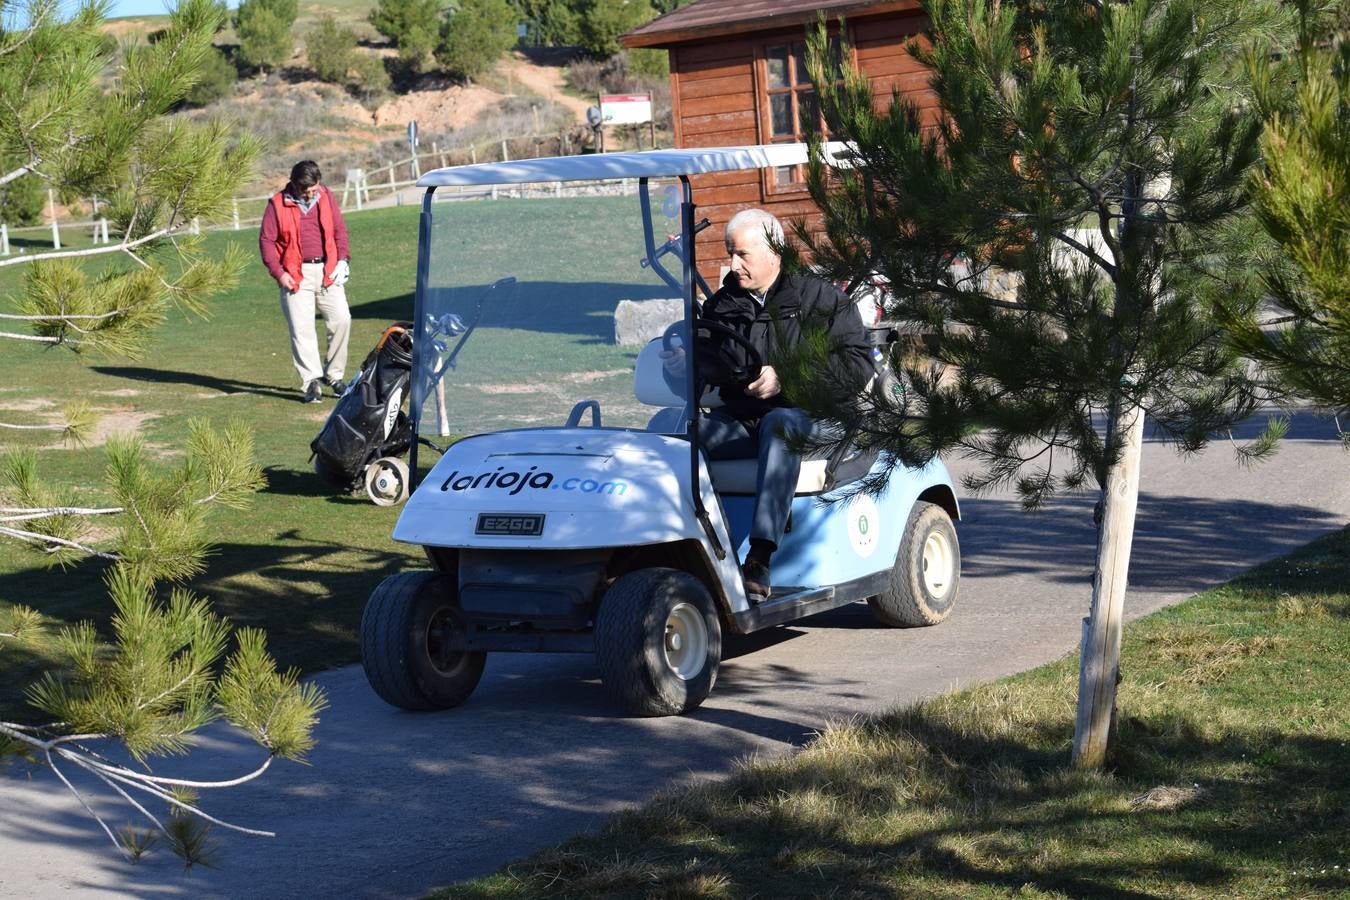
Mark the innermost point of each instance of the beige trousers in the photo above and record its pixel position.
(299, 310)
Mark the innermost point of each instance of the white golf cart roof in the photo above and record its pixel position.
(643, 164)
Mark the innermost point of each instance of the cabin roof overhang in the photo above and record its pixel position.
(712, 19)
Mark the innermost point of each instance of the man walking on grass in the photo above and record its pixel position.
(303, 242)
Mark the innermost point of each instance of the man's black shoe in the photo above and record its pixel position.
(313, 393)
(338, 385)
(756, 576)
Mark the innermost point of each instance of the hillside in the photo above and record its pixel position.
(526, 101)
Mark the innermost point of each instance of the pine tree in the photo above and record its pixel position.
(1302, 193)
(475, 36)
(331, 50)
(603, 22)
(264, 30)
(413, 25)
(160, 680)
(1061, 226)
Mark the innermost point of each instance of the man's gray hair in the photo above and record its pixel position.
(763, 221)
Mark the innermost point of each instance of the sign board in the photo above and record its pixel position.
(625, 109)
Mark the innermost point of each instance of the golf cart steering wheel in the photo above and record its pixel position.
(717, 365)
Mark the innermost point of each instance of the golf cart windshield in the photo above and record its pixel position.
(522, 290)
(544, 288)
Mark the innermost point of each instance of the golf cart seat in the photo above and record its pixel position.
(729, 476)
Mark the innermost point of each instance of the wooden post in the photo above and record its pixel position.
(440, 157)
(473, 154)
(4, 239)
(1100, 664)
(506, 157)
(234, 212)
(103, 224)
(56, 232)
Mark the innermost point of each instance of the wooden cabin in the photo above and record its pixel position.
(738, 76)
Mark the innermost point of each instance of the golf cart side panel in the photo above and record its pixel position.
(832, 540)
(590, 485)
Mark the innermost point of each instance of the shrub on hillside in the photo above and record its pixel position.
(413, 25)
(476, 36)
(264, 30)
(604, 21)
(554, 22)
(331, 50)
(621, 75)
(215, 79)
(649, 62)
(369, 78)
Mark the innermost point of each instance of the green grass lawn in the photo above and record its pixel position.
(302, 559)
(1227, 778)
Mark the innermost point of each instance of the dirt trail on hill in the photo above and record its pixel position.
(545, 80)
(459, 105)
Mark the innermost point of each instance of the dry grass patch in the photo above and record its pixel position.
(1226, 778)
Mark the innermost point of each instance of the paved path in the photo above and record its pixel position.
(396, 803)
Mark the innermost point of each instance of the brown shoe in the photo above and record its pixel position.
(756, 576)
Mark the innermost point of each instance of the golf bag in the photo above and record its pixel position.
(368, 421)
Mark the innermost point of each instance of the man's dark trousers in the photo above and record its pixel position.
(724, 437)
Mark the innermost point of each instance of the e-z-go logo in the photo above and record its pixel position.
(515, 482)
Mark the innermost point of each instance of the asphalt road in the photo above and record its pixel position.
(393, 803)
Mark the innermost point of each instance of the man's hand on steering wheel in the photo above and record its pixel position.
(766, 385)
(717, 365)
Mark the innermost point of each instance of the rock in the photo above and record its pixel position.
(638, 321)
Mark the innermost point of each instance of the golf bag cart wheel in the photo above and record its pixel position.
(658, 642)
(403, 644)
(387, 481)
(927, 572)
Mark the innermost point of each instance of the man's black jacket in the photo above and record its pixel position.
(792, 302)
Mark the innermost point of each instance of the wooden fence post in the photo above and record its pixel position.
(4, 239)
(103, 224)
(234, 213)
(506, 157)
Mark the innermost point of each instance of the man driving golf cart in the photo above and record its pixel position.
(769, 308)
(595, 507)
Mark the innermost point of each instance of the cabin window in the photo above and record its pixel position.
(789, 108)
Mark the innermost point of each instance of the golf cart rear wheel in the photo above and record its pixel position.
(405, 634)
(658, 642)
(387, 481)
(927, 572)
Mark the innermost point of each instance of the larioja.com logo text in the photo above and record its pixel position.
(514, 482)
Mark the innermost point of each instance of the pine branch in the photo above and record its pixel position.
(92, 251)
(50, 542)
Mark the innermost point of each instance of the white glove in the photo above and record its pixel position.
(341, 272)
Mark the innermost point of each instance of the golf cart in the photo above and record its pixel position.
(577, 512)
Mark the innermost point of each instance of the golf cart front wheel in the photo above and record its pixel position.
(407, 634)
(387, 481)
(927, 572)
(658, 642)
